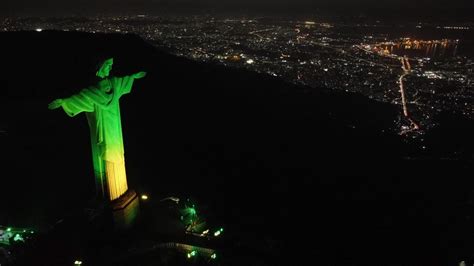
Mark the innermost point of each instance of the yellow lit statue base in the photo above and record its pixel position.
(116, 179)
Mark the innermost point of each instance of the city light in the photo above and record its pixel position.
(205, 232)
(191, 254)
(219, 232)
(77, 262)
(18, 237)
(39, 30)
(456, 28)
(144, 197)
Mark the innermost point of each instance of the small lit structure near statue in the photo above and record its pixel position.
(10, 235)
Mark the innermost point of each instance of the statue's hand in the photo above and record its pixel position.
(55, 104)
(139, 75)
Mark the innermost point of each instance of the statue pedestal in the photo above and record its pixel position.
(125, 210)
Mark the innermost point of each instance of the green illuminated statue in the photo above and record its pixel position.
(100, 102)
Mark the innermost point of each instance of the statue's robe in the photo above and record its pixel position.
(103, 114)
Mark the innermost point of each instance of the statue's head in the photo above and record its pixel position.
(105, 68)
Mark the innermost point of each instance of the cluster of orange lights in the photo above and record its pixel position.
(233, 58)
(408, 44)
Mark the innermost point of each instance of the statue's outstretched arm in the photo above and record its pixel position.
(139, 75)
(55, 104)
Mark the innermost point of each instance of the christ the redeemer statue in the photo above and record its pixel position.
(100, 102)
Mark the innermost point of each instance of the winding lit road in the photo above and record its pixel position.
(406, 71)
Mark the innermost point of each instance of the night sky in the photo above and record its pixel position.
(91, 7)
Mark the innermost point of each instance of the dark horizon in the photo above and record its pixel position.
(400, 9)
